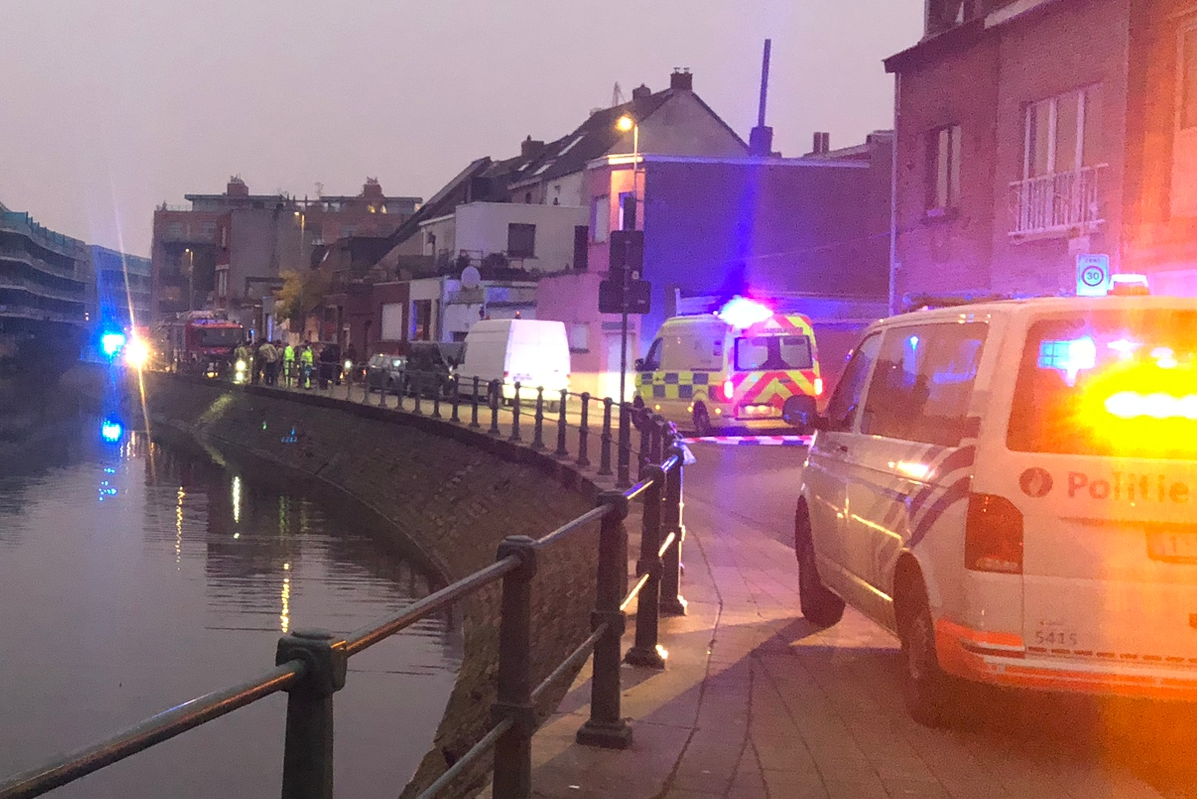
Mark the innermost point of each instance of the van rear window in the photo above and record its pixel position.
(773, 353)
(1119, 384)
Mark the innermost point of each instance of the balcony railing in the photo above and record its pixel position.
(1057, 203)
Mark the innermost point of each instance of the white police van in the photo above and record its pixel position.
(1010, 488)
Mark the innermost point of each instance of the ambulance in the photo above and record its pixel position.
(744, 367)
(1011, 488)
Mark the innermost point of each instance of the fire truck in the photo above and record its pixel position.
(200, 342)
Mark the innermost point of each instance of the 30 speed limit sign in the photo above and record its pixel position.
(1092, 275)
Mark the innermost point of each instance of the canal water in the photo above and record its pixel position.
(134, 576)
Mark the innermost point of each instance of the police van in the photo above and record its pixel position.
(745, 367)
(1010, 488)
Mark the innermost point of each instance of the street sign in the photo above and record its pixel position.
(1092, 275)
(612, 298)
(627, 253)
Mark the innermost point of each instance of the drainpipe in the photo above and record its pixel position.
(893, 202)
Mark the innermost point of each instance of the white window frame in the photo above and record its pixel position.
(953, 189)
(1082, 123)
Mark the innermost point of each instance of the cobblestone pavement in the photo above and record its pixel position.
(757, 703)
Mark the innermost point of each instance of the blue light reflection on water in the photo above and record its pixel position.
(164, 583)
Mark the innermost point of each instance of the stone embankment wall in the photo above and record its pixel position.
(447, 495)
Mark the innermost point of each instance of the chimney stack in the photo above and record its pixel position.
(530, 148)
(822, 145)
(682, 80)
(641, 92)
(236, 187)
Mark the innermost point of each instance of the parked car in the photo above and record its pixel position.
(1008, 487)
(385, 370)
(431, 366)
(532, 352)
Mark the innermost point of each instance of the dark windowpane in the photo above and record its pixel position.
(1091, 154)
(842, 407)
(521, 240)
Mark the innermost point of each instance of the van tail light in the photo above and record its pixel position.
(729, 390)
(993, 535)
(818, 386)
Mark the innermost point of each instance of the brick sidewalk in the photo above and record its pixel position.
(757, 704)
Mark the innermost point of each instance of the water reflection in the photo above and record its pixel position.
(138, 575)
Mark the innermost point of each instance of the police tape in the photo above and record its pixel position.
(753, 441)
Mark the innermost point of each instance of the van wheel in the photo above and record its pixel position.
(819, 605)
(925, 686)
(702, 420)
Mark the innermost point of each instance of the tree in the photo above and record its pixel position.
(300, 295)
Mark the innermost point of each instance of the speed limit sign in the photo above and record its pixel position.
(1092, 275)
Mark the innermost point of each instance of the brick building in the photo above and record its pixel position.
(1031, 132)
(226, 250)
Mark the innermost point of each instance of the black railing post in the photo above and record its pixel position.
(515, 414)
(513, 751)
(456, 383)
(672, 603)
(646, 652)
(436, 396)
(308, 751)
(474, 405)
(644, 457)
(417, 389)
(494, 392)
(624, 478)
(606, 726)
(366, 387)
(583, 431)
(384, 383)
(658, 428)
(605, 440)
(562, 450)
(538, 427)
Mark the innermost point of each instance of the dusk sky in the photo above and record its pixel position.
(111, 107)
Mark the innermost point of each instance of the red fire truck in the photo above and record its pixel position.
(201, 342)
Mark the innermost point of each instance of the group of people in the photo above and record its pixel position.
(268, 361)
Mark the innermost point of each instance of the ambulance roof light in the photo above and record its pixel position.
(742, 312)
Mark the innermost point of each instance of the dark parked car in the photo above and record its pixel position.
(430, 367)
(385, 370)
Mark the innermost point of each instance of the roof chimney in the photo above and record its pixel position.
(372, 189)
(822, 145)
(531, 149)
(682, 79)
(236, 187)
(641, 92)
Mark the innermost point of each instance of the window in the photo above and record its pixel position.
(392, 321)
(627, 210)
(222, 283)
(521, 240)
(207, 230)
(943, 169)
(174, 230)
(421, 320)
(1188, 79)
(1063, 134)
(348, 230)
(842, 407)
(921, 388)
(773, 353)
(652, 361)
(600, 217)
(579, 337)
(581, 248)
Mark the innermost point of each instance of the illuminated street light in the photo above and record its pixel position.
(625, 123)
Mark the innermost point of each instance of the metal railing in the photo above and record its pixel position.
(1057, 202)
(311, 666)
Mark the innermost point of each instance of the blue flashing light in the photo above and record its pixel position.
(1070, 356)
(741, 312)
(111, 431)
(111, 343)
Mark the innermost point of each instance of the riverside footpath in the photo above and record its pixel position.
(757, 704)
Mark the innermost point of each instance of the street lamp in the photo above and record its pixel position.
(624, 124)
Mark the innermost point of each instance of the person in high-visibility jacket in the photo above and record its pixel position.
(306, 359)
(288, 365)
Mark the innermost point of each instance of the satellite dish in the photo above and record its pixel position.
(470, 277)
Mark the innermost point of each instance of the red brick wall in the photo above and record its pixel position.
(948, 255)
(1070, 46)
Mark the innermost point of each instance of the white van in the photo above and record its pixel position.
(1010, 488)
(532, 352)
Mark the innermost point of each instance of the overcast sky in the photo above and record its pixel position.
(110, 107)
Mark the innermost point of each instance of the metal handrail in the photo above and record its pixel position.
(312, 666)
(154, 730)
